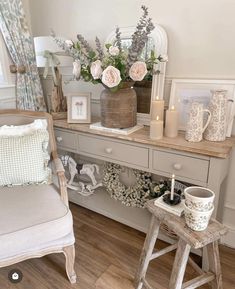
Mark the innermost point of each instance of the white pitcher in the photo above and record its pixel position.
(217, 128)
(195, 127)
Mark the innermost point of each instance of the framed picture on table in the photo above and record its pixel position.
(79, 107)
(184, 91)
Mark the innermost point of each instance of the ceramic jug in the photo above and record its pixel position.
(195, 125)
(216, 130)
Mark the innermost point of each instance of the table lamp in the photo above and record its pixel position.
(50, 56)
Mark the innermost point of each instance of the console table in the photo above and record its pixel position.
(204, 164)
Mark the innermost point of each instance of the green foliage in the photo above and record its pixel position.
(108, 45)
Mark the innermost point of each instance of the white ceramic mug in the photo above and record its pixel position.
(195, 127)
(199, 198)
(196, 220)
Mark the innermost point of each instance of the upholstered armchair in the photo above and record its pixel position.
(35, 219)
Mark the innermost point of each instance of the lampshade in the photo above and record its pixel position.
(43, 43)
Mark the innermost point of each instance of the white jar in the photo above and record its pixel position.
(199, 198)
(196, 220)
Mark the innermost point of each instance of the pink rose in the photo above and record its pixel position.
(114, 50)
(96, 69)
(111, 76)
(138, 71)
(69, 43)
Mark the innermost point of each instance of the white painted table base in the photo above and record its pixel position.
(204, 164)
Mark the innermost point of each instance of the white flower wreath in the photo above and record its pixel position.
(133, 196)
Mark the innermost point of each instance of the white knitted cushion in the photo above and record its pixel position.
(23, 129)
(24, 159)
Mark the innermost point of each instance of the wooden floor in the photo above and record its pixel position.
(107, 255)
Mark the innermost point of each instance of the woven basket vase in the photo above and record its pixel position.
(118, 109)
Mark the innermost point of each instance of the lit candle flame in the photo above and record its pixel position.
(157, 118)
(173, 107)
(157, 98)
(173, 176)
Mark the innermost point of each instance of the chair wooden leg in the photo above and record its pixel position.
(214, 265)
(147, 251)
(69, 253)
(180, 262)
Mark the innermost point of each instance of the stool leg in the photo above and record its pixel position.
(205, 262)
(147, 251)
(181, 259)
(214, 265)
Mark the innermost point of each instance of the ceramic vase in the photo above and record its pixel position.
(216, 130)
(195, 126)
(119, 108)
(196, 220)
(198, 207)
(199, 198)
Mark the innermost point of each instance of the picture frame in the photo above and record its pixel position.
(184, 91)
(79, 107)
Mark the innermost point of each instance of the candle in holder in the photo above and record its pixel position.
(172, 187)
(156, 128)
(157, 109)
(172, 122)
(171, 198)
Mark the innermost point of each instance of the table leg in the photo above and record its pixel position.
(147, 251)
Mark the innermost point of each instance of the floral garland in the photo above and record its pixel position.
(132, 196)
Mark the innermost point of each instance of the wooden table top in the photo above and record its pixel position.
(206, 148)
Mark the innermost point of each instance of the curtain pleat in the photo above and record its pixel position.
(14, 27)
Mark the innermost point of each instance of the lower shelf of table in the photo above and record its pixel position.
(103, 204)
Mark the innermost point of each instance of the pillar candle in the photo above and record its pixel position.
(157, 109)
(172, 122)
(156, 128)
(172, 187)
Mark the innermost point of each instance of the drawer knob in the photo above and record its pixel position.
(177, 166)
(59, 139)
(108, 150)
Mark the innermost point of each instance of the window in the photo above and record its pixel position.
(5, 75)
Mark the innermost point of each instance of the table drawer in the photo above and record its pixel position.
(114, 150)
(180, 165)
(66, 139)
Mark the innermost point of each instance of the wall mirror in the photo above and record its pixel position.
(146, 90)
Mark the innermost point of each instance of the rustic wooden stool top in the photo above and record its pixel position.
(207, 239)
(177, 224)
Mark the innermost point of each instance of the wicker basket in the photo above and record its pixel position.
(170, 233)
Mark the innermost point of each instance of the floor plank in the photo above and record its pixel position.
(107, 255)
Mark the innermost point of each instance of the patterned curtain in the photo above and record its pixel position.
(19, 42)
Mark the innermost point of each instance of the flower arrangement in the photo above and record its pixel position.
(115, 65)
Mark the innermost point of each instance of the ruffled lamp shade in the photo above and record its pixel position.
(46, 43)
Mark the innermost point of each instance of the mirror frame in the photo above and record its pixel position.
(161, 43)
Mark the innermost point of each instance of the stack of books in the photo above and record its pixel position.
(174, 209)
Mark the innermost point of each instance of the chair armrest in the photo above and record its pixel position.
(58, 165)
(59, 168)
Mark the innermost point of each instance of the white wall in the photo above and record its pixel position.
(201, 40)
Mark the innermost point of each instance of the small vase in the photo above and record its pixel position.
(118, 109)
(216, 130)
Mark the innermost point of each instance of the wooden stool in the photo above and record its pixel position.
(187, 239)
